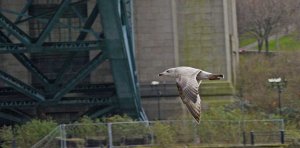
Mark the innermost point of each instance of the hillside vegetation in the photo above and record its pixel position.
(254, 72)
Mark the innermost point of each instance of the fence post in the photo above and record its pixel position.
(63, 142)
(61, 136)
(282, 136)
(252, 137)
(110, 140)
(244, 138)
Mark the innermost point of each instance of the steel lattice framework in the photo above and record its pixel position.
(113, 42)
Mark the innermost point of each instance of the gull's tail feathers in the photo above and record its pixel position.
(215, 76)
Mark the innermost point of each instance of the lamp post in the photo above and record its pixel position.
(278, 84)
(155, 84)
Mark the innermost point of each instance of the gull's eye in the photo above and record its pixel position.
(168, 71)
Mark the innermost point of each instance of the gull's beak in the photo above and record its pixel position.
(160, 74)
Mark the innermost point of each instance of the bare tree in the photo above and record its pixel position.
(259, 18)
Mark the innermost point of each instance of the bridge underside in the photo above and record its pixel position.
(60, 46)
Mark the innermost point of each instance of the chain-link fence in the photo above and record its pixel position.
(180, 132)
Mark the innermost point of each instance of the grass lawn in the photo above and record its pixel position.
(245, 40)
(286, 43)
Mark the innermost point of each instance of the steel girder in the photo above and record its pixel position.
(22, 87)
(25, 61)
(89, 22)
(80, 75)
(116, 46)
(16, 31)
(64, 4)
(10, 117)
(74, 46)
(122, 62)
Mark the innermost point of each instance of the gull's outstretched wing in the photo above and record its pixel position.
(188, 92)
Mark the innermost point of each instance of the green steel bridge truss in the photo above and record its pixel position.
(114, 43)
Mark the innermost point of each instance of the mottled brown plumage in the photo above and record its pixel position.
(188, 80)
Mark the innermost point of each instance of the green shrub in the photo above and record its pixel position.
(6, 134)
(33, 131)
(254, 72)
(85, 127)
(164, 134)
(27, 134)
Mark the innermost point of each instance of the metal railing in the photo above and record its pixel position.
(119, 134)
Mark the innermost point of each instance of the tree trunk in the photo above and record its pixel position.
(267, 44)
(277, 41)
(259, 44)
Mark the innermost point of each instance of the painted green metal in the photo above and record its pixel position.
(101, 57)
(119, 58)
(101, 88)
(82, 36)
(45, 21)
(20, 113)
(26, 62)
(9, 104)
(24, 10)
(103, 111)
(16, 31)
(10, 117)
(45, 13)
(127, 23)
(63, 6)
(92, 101)
(21, 86)
(4, 38)
(53, 47)
(116, 46)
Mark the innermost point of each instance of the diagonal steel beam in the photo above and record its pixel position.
(4, 38)
(46, 13)
(16, 31)
(23, 11)
(24, 115)
(81, 18)
(21, 87)
(22, 58)
(102, 112)
(67, 64)
(101, 57)
(62, 7)
(10, 117)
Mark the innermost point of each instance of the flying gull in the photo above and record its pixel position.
(188, 80)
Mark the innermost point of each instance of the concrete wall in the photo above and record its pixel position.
(154, 38)
(201, 34)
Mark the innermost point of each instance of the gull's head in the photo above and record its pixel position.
(169, 72)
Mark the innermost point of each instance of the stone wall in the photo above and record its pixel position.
(201, 34)
(197, 33)
(153, 38)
